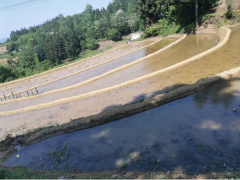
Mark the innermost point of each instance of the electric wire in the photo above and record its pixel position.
(18, 4)
(23, 6)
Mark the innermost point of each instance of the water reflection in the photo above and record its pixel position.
(223, 93)
(178, 136)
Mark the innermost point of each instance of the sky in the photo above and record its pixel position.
(38, 13)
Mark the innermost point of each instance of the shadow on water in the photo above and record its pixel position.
(221, 93)
(196, 134)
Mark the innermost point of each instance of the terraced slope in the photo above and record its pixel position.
(87, 106)
(54, 74)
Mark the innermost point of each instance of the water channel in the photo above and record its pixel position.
(190, 46)
(197, 134)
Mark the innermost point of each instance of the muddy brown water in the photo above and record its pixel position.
(16, 87)
(101, 69)
(197, 134)
(190, 46)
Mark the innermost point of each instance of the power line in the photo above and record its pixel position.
(23, 6)
(18, 4)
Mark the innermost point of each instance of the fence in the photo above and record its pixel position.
(17, 95)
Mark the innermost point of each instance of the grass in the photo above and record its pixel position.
(123, 40)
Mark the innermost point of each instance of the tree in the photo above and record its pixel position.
(130, 8)
(196, 11)
(91, 43)
(150, 11)
(39, 51)
(26, 58)
(88, 9)
(114, 34)
(12, 46)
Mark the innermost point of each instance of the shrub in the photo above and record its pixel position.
(39, 50)
(229, 13)
(114, 34)
(91, 43)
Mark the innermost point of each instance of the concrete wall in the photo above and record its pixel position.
(135, 36)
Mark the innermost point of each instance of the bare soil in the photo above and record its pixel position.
(3, 48)
(4, 61)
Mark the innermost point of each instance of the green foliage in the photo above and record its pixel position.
(11, 46)
(182, 13)
(114, 34)
(7, 73)
(19, 173)
(205, 17)
(26, 58)
(130, 8)
(4, 173)
(229, 13)
(39, 50)
(163, 28)
(91, 43)
(237, 175)
(61, 153)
